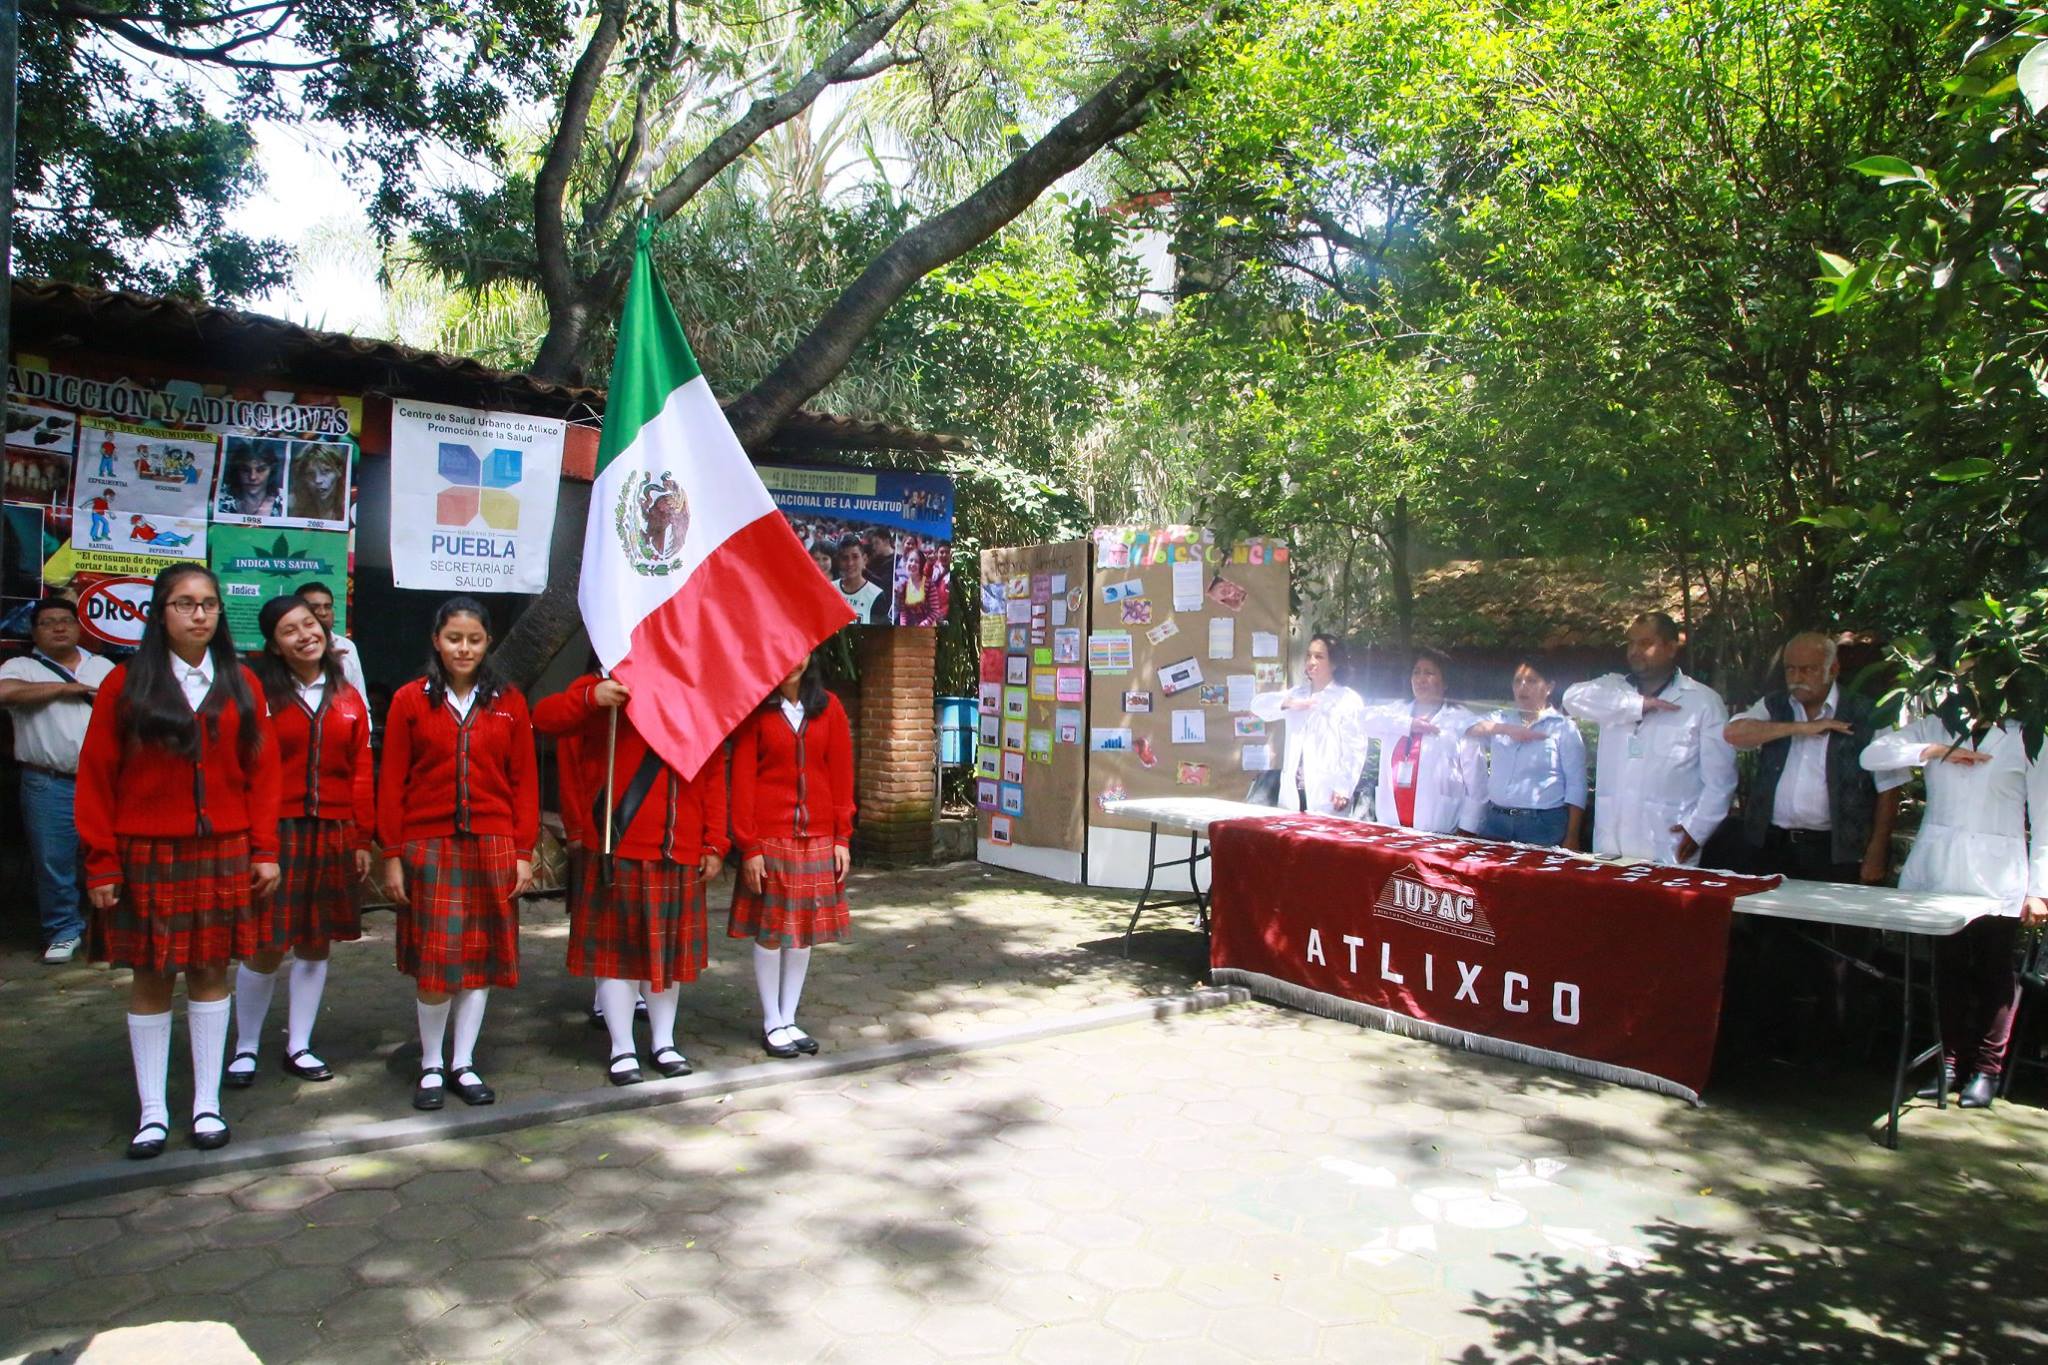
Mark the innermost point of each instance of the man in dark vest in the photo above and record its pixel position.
(1811, 811)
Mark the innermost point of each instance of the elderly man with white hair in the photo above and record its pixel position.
(1812, 810)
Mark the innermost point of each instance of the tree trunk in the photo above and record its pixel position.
(1120, 106)
(1398, 575)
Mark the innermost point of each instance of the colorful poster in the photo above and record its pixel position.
(40, 443)
(900, 524)
(1109, 651)
(473, 497)
(275, 481)
(140, 497)
(257, 563)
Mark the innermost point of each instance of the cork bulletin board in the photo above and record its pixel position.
(1183, 631)
(1031, 758)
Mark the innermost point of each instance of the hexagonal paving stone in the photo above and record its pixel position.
(671, 1272)
(425, 1222)
(277, 1192)
(591, 1345)
(351, 1206)
(1157, 1315)
(445, 1187)
(297, 1289)
(214, 1273)
(885, 1349)
(1077, 1343)
(175, 1212)
(403, 1263)
(956, 1330)
(498, 1280)
(614, 1213)
(479, 1332)
(574, 1302)
(381, 1313)
(859, 1309)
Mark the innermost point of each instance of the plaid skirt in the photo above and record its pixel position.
(648, 925)
(315, 902)
(461, 931)
(802, 901)
(184, 904)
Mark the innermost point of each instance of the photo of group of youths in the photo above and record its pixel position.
(889, 578)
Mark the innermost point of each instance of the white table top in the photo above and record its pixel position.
(1862, 907)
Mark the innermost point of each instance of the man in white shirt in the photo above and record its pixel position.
(869, 602)
(319, 599)
(51, 691)
(1665, 776)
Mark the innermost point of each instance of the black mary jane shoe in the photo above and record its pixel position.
(1943, 1084)
(679, 1066)
(141, 1148)
(426, 1096)
(472, 1092)
(775, 1049)
(211, 1141)
(1979, 1093)
(316, 1070)
(803, 1042)
(240, 1080)
(624, 1075)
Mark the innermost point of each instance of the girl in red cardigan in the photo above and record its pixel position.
(177, 810)
(458, 812)
(636, 922)
(327, 801)
(792, 814)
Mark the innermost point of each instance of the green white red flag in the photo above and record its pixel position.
(696, 593)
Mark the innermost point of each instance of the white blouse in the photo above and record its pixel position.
(1973, 837)
(1325, 744)
(1450, 784)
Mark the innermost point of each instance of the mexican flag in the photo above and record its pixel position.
(696, 594)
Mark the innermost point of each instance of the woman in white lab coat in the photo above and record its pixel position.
(1325, 740)
(1430, 773)
(1981, 790)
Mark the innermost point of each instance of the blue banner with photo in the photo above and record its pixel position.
(885, 537)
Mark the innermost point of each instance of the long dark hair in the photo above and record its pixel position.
(280, 684)
(153, 706)
(811, 693)
(488, 683)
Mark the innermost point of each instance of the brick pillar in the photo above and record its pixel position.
(896, 771)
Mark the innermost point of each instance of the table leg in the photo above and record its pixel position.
(1196, 857)
(1899, 1073)
(1151, 867)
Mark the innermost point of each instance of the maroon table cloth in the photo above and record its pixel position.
(1520, 952)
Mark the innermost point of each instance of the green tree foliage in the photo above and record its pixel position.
(136, 120)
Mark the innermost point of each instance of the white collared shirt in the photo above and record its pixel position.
(50, 735)
(344, 651)
(1802, 797)
(1658, 770)
(793, 712)
(196, 680)
(311, 692)
(463, 703)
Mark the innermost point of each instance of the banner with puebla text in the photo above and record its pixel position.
(1520, 952)
(472, 497)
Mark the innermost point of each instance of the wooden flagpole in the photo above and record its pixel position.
(611, 763)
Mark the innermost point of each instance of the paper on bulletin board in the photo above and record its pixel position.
(1070, 684)
(1067, 725)
(1109, 651)
(1187, 585)
(1258, 758)
(1039, 750)
(1013, 733)
(1265, 644)
(1180, 675)
(1190, 727)
(1222, 637)
(1066, 645)
(1243, 687)
(1163, 632)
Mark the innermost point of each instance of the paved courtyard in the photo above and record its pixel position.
(1244, 1184)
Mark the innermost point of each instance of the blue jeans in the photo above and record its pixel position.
(53, 847)
(1544, 827)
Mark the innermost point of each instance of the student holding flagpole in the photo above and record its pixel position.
(458, 814)
(636, 921)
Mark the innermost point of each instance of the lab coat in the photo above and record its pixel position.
(1325, 745)
(1450, 786)
(1653, 772)
(1973, 836)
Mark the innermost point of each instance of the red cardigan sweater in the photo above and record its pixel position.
(324, 760)
(678, 821)
(786, 783)
(445, 776)
(125, 788)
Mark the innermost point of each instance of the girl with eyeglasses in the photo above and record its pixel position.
(327, 801)
(177, 810)
(458, 813)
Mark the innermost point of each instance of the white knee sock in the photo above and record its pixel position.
(433, 1028)
(309, 981)
(662, 1007)
(768, 982)
(469, 1022)
(252, 1005)
(615, 998)
(207, 1023)
(795, 962)
(597, 999)
(149, 1044)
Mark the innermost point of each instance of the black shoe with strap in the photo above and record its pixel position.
(426, 1096)
(625, 1075)
(472, 1091)
(213, 1139)
(142, 1148)
(803, 1042)
(241, 1080)
(315, 1070)
(775, 1049)
(671, 1062)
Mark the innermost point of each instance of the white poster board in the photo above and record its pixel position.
(472, 497)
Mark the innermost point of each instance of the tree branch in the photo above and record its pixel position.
(1119, 106)
(567, 312)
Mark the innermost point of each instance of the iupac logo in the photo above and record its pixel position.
(1430, 900)
(477, 487)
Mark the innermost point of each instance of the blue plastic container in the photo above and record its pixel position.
(959, 727)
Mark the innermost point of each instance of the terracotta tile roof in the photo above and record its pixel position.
(51, 314)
